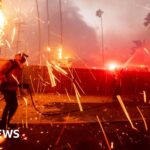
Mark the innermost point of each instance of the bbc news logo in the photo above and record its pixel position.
(10, 133)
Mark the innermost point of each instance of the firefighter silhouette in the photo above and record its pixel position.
(10, 78)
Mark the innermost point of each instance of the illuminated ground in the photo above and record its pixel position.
(63, 126)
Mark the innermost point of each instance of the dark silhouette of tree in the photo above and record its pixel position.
(137, 45)
(147, 20)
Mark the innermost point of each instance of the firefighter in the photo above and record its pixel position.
(10, 79)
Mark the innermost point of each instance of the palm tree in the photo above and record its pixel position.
(48, 23)
(39, 31)
(147, 20)
(99, 14)
(61, 23)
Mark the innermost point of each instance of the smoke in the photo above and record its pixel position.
(122, 23)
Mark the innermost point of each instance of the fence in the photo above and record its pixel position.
(92, 81)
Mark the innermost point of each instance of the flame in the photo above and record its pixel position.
(112, 66)
(60, 53)
(48, 49)
(2, 139)
(13, 34)
(2, 20)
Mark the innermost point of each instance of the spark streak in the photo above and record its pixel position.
(147, 51)
(129, 60)
(86, 66)
(77, 75)
(68, 95)
(70, 73)
(62, 131)
(13, 35)
(80, 87)
(26, 104)
(8, 44)
(32, 84)
(145, 124)
(38, 86)
(2, 21)
(103, 131)
(60, 134)
(78, 97)
(59, 69)
(125, 111)
(52, 78)
(144, 96)
(15, 78)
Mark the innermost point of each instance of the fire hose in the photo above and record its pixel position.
(27, 87)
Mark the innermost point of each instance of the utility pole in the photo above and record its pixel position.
(61, 23)
(39, 32)
(48, 23)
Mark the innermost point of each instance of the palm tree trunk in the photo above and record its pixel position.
(48, 23)
(39, 31)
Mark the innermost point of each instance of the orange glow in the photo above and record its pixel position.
(13, 34)
(60, 53)
(142, 66)
(112, 66)
(2, 139)
(66, 57)
(48, 49)
(147, 51)
(2, 20)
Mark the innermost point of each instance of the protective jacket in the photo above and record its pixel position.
(10, 75)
